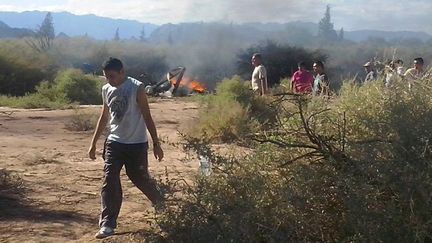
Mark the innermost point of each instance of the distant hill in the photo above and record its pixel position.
(362, 35)
(79, 25)
(298, 32)
(7, 32)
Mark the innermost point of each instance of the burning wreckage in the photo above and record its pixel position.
(175, 84)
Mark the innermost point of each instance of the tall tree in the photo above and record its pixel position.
(47, 27)
(117, 35)
(143, 34)
(44, 36)
(325, 28)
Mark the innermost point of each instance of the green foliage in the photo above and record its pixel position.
(78, 87)
(233, 113)
(352, 168)
(70, 86)
(33, 101)
(219, 123)
(17, 78)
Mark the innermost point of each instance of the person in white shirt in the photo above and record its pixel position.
(259, 75)
(416, 73)
(126, 110)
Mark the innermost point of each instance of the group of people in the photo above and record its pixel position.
(316, 82)
(303, 81)
(395, 69)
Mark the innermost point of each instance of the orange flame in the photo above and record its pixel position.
(191, 84)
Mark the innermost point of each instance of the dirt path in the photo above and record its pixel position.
(63, 185)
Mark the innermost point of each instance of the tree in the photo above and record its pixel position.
(117, 35)
(325, 28)
(143, 35)
(341, 34)
(47, 27)
(44, 37)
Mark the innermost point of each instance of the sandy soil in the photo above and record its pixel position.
(62, 184)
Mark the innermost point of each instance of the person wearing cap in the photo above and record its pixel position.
(415, 73)
(371, 74)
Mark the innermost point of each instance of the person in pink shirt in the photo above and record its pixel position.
(302, 80)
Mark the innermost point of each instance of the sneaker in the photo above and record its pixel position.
(104, 232)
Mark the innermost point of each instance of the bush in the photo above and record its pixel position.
(77, 87)
(354, 168)
(10, 182)
(82, 121)
(33, 101)
(18, 78)
(233, 113)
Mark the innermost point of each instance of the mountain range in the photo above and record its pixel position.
(78, 25)
(14, 24)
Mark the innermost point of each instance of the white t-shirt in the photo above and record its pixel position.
(259, 73)
(126, 121)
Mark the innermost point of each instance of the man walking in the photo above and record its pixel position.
(126, 109)
(259, 75)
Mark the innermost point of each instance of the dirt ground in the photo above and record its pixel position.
(62, 184)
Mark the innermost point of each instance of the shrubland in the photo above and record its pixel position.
(354, 167)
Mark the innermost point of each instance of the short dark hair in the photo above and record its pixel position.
(399, 61)
(319, 63)
(257, 55)
(419, 60)
(112, 64)
(301, 64)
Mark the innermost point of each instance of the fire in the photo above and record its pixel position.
(191, 84)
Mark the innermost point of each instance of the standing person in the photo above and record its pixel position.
(321, 83)
(259, 75)
(126, 109)
(398, 64)
(371, 75)
(302, 80)
(415, 73)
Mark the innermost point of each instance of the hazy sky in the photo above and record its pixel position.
(350, 14)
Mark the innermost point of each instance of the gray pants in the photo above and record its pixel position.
(135, 159)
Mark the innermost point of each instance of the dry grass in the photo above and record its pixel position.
(10, 183)
(82, 121)
(39, 159)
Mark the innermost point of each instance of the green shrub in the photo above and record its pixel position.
(220, 123)
(17, 77)
(233, 113)
(78, 87)
(354, 168)
(33, 101)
